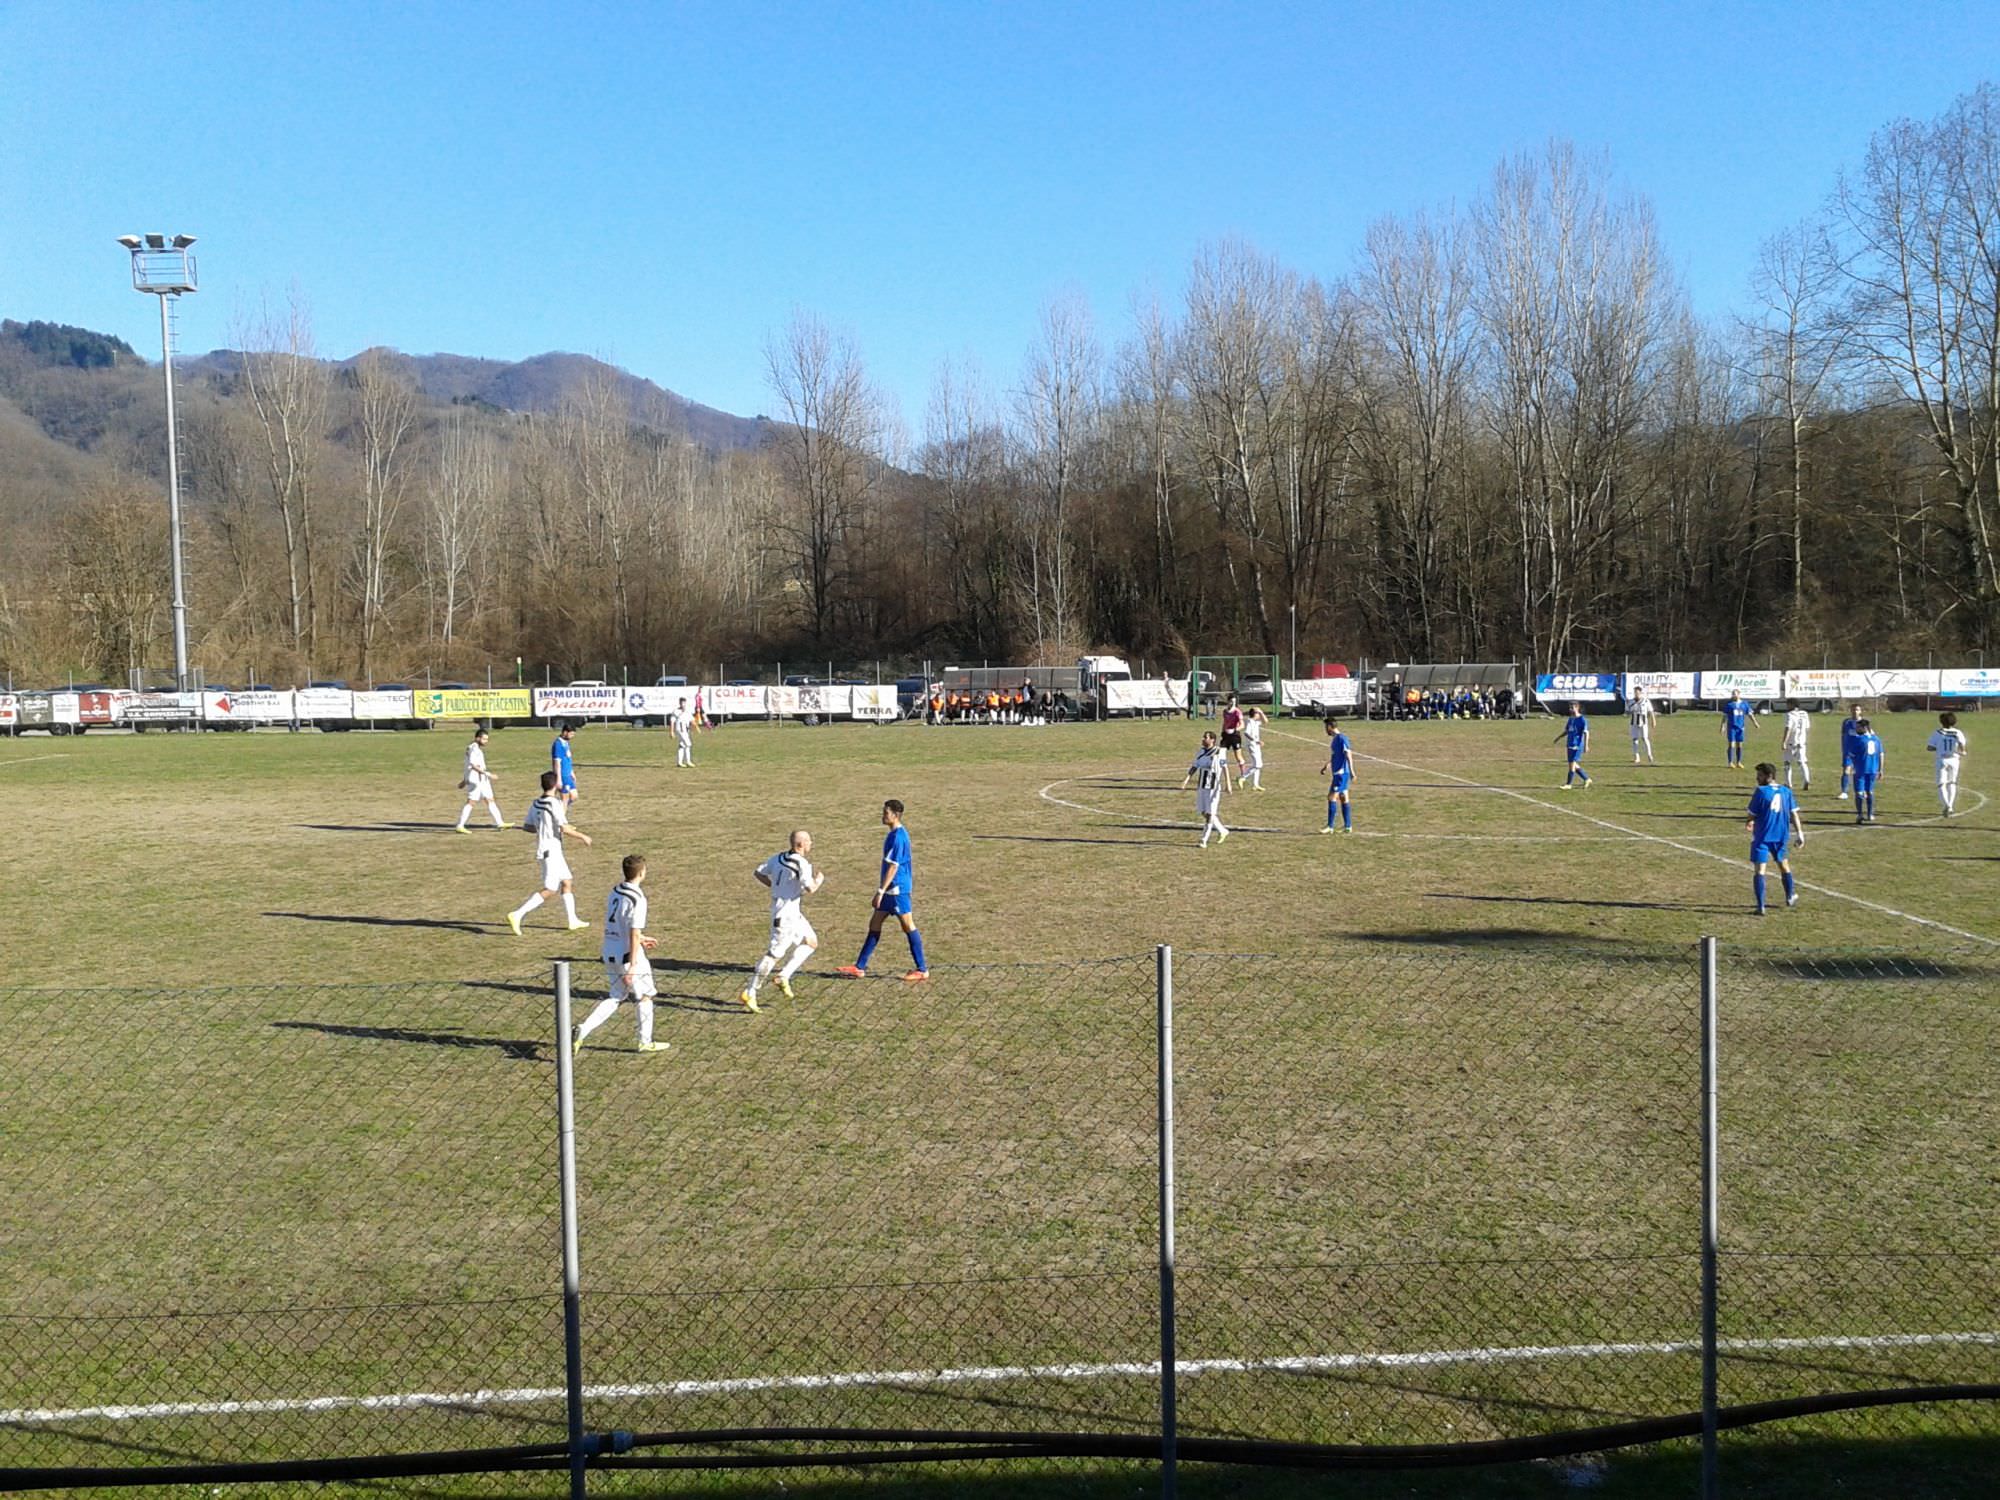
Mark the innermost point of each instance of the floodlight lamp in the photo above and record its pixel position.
(156, 241)
(182, 241)
(130, 241)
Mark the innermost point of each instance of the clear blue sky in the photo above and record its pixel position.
(661, 184)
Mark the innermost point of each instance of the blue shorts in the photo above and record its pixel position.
(1340, 781)
(1735, 736)
(1864, 781)
(896, 904)
(1576, 750)
(1768, 853)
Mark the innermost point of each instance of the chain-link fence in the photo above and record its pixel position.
(1432, 1207)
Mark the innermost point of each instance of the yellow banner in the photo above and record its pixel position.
(474, 703)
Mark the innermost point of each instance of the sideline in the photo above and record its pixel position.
(6, 761)
(980, 1374)
(1654, 838)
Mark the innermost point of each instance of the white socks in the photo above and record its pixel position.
(792, 965)
(494, 808)
(764, 967)
(529, 905)
(597, 1018)
(569, 904)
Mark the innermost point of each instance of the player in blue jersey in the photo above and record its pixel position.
(893, 899)
(1867, 767)
(1576, 737)
(1339, 773)
(562, 764)
(1774, 819)
(1848, 734)
(1737, 716)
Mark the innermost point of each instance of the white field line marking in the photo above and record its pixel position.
(24, 759)
(1654, 838)
(981, 1374)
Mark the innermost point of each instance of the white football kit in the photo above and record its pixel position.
(1798, 728)
(683, 737)
(791, 877)
(1253, 742)
(624, 917)
(1948, 746)
(1639, 717)
(546, 820)
(478, 785)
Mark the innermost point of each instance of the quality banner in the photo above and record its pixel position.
(1660, 686)
(473, 703)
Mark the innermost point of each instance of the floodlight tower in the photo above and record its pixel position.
(162, 266)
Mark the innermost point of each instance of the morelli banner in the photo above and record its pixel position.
(473, 703)
(1713, 687)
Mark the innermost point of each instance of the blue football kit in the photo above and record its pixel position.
(1867, 767)
(565, 767)
(1339, 777)
(897, 887)
(1771, 812)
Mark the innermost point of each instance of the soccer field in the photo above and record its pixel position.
(1438, 1149)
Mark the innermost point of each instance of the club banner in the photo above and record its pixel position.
(1578, 687)
(160, 708)
(877, 702)
(1321, 692)
(579, 702)
(382, 703)
(1713, 687)
(252, 706)
(1660, 686)
(1975, 682)
(473, 703)
(323, 703)
(10, 710)
(737, 701)
(826, 701)
(1145, 695)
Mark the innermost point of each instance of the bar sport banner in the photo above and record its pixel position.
(1660, 686)
(473, 703)
(1877, 682)
(1577, 687)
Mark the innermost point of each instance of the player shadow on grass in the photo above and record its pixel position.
(669, 999)
(439, 923)
(1496, 937)
(1049, 838)
(1701, 906)
(520, 1050)
(378, 827)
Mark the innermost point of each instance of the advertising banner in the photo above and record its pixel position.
(739, 702)
(1147, 695)
(826, 701)
(252, 706)
(1321, 692)
(1660, 687)
(877, 702)
(473, 703)
(159, 708)
(1878, 682)
(382, 703)
(1713, 687)
(323, 703)
(782, 700)
(10, 710)
(1578, 687)
(95, 708)
(1970, 682)
(579, 702)
(38, 711)
(656, 702)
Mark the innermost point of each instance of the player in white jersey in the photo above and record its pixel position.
(1208, 772)
(1798, 729)
(683, 734)
(1639, 718)
(624, 953)
(790, 878)
(1948, 744)
(478, 783)
(550, 825)
(1254, 721)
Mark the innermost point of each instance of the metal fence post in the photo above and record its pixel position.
(572, 1277)
(1169, 1436)
(1710, 1204)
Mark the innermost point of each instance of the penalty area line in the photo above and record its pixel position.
(983, 1374)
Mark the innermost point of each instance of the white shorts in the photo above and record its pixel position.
(1206, 802)
(786, 936)
(1256, 749)
(1640, 733)
(638, 987)
(555, 870)
(1947, 771)
(1795, 752)
(479, 789)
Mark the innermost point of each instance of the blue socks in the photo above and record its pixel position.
(1789, 892)
(1347, 814)
(917, 950)
(1757, 885)
(868, 950)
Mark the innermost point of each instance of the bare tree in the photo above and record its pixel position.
(1056, 406)
(459, 503)
(386, 407)
(833, 426)
(287, 386)
(964, 457)
(1918, 230)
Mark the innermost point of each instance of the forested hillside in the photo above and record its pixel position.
(1498, 432)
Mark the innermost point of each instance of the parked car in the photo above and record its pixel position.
(580, 682)
(1256, 688)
